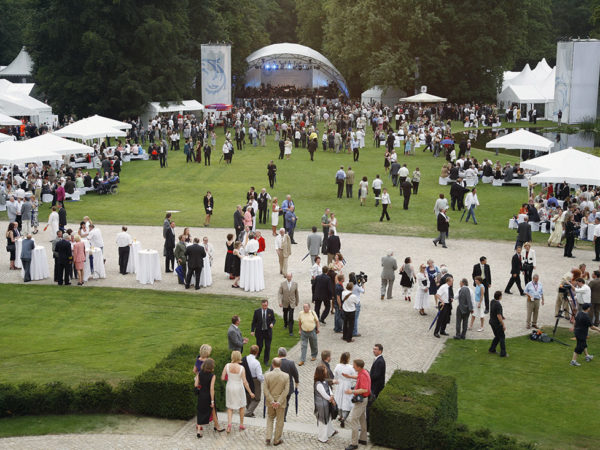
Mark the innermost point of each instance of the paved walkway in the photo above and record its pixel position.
(394, 323)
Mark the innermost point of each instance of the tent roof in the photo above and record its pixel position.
(522, 139)
(19, 152)
(423, 97)
(15, 100)
(6, 137)
(93, 127)
(573, 167)
(298, 52)
(7, 120)
(554, 160)
(21, 66)
(56, 144)
(522, 94)
(185, 105)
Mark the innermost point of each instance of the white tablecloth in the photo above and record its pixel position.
(205, 275)
(590, 231)
(148, 267)
(18, 248)
(132, 263)
(251, 274)
(39, 265)
(98, 263)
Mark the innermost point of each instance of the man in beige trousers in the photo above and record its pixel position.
(283, 247)
(276, 387)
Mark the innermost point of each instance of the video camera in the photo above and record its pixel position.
(361, 278)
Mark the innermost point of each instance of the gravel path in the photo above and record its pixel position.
(394, 323)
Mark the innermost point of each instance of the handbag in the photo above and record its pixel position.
(333, 410)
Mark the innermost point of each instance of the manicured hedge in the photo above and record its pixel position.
(419, 411)
(166, 390)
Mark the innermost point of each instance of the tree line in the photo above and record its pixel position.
(113, 56)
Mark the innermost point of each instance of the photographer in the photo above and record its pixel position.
(582, 323)
(358, 289)
(358, 416)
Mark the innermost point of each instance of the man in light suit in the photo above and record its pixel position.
(195, 255)
(277, 388)
(262, 328)
(288, 366)
(313, 244)
(288, 300)
(388, 274)
(26, 251)
(283, 247)
(234, 335)
(463, 310)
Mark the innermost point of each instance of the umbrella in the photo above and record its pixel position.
(305, 256)
(447, 142)
(219, 106)
(296, 394)
(435, 318)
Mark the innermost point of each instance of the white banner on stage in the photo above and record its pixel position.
(216, 73)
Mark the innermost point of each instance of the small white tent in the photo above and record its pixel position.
(570, 166)
(386, 95)
(155, 108)
(423, 97)
(16, 101)
(92, 128)
(21, 67)
(20, 152)
(8, 121)
(522, 140)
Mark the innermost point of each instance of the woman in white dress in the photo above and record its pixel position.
(479, 307)
(53, 222)
(287, 148)
(422, 286)
(235, 398)
(333, 224)
(343, 400)
(363, 189)
(274, 215)
(556, 236)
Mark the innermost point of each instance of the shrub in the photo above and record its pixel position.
(459, 437)
(417, 404)
(57, 399)
(98, 397)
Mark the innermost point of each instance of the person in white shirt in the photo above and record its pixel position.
(385, 203)
(124, 242)
(376, 185)
(251, 246)
(95, 238)
(471, 202)
(316, 269)
(257, 378)
(349, 302)
(583, 293)
(445, 306)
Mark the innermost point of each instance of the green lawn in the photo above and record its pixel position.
(534, 394)
(146, 192)
(111, 334)
(87, 423)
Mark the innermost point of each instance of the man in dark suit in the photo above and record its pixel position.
(464, 309)
(406, 188)
(457, 193)
(234, 335)
(169, 248)
(26, 252)
(322, 294)
(64, 257)
(288, 366)
(394, 168)
(333, 246)
(570, 233)
(443, 224)
(238, 221)
(281, 149)
(195, 255)
(62, 217)
(483, 270)
(262, 328)
(377, 371)
(263, 203)
(515, 272)
(523, 233)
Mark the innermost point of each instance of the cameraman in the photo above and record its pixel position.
(357, 290)
(582, 323)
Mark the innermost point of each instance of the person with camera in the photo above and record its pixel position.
(357, 420)
(582, 324)
(535, 294)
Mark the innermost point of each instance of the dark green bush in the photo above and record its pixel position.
(57, 398)
(97, 397)
(415, 404)
(459, 437)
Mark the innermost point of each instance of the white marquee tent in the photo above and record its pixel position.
(20, 67)
(92, 128)
(423, 97)
(58, 145)
(155, 108)
(16, 101)
(8, 121)
(554, 160)
(521, 140)
(569, 165)
(20, 152)
(386, 95)
(6, 137)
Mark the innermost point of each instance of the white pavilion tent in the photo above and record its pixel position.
(386, 95)
(58, 145)
(20, 67)
(92, 128)
(20, 152)
(8, 121)
(16, 101)
(6, 137)
(569, 165)
(522, 140)
(155, 108)
(423, 97)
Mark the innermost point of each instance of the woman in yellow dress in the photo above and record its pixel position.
(556, 236)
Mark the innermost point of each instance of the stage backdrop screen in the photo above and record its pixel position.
(216, 73)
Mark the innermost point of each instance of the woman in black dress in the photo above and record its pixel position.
(229, 257)
(205, 388)
(236, 264)
(209, 204)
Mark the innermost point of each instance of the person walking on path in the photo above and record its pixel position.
(516, 267)
(443, 224)
(323, 401)
(288, 300)
(471, 202)
(385, 204)
(444, 298)
(497, 324)
(388, 274)
(340, 178)
(204, 383)
(277, 387)
(308, 325)
(357, 420)
(463, 310)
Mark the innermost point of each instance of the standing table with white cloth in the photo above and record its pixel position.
(148, 267)
(18, 248)
(134, 250)
(39, 265)
(252, 277)
(205, 275)
(97, 263)
(590, 231)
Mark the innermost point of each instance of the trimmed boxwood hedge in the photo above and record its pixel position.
(166, 390)
(408, 411)
(419, 410)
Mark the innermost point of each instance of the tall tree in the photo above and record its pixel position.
(15, 18)
(282, 20)
(110, 58)
(311, 21)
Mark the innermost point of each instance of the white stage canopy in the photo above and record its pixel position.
(92, 128)
(19, 152)
(8, 121)
(6, 137)
(521, 140)
(573, 167)
(423, 97)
